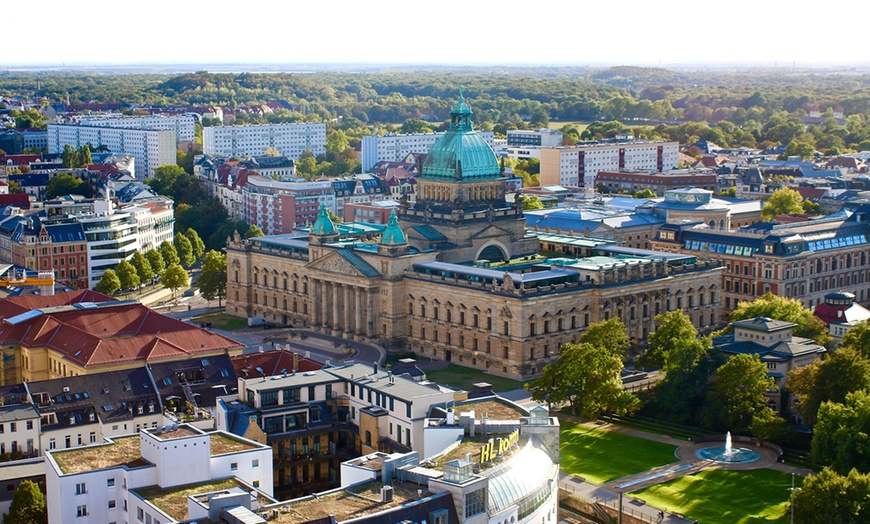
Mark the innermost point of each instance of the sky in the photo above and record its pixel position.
(441, 32)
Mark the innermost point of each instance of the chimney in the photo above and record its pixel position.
(295, 361)
(375, 367)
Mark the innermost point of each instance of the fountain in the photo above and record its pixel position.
(728, 454)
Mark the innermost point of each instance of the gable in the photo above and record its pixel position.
(492, 232)
(343, 265)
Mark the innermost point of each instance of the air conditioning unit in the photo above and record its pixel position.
(387, 494)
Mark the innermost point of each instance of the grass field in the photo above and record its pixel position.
(600, 456)
(716, 496)
(221, 321)
(462, 377)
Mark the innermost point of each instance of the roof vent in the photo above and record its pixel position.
(65, 389)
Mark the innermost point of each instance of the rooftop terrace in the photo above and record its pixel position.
(120, 452)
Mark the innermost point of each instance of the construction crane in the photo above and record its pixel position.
(12, 277)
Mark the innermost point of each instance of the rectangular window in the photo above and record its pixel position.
(475, 502)
(82, 511)
(255, 463)
(81, 488)
(234, 466)
(111, 504)
(110, 483)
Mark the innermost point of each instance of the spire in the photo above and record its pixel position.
(393, 234)
(460, 115)
(323, 224)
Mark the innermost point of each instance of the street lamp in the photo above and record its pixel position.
(791, 490)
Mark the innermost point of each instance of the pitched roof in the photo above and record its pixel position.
(273, 362)
(103, 331)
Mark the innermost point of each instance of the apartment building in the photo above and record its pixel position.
(183, 125)
(149, 148)
(133, 478)
(280, 206)
(291, 140)
(578, 165)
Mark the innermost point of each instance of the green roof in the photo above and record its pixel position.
(393, 233)
(323, 225)
(461, 153)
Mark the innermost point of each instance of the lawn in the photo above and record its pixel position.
(599, 455)
(734, 497)
(462, 377)
(221, 321)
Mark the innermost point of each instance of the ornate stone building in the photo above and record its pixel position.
(460, 279)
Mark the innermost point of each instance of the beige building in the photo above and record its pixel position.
(465, 283)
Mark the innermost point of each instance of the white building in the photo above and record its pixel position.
(395, 147)
(183, 125)
(154, 224)
(149, 148)
(535, 138)
(19, 429)
(289, 139)
(577, 165)
(130, 479)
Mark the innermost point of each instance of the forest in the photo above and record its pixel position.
(752, 108)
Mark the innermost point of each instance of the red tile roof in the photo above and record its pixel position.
(272, 362)
(114, 333)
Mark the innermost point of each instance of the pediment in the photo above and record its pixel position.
(335, 263)
(492, 232)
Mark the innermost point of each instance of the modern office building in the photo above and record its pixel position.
(396, 147)
(291, 140)
(578, 165)
(149, 148)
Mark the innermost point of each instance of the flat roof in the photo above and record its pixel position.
(124, 451)
(351, 503)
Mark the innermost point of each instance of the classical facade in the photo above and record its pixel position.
(460, 280)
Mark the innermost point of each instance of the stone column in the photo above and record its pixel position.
(315, 303)
(358, 306)
(335, 315)
(371, 328)
(348, 313)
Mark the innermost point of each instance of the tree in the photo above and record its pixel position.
(213, 280)
(670, 326)
(786, 310)
(608, 334)
(829, 497)
(645, 193)
(842, 372)
(28, 505)
(66, 184)
(143, 267)
(336, 143)
(127, 275)
(253, 231)
(840, 434)
(738, 394)
(109, 284)
(783, 201)
(332, 216)
(184, 249)
(170, 254)
(195, 242)
(586, 376)
(800, 149)
(532, 202)
(858, 338)
(688, 366)
(175, 277)
(155, 258)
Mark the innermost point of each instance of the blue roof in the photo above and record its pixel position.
(359, 263)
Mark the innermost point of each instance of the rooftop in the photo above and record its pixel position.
(173, 501)
(222, 443)
(124, 451)
(351, 503)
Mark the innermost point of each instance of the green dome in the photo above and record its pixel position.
(461, 153)
(323, 225)
(393, 233)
